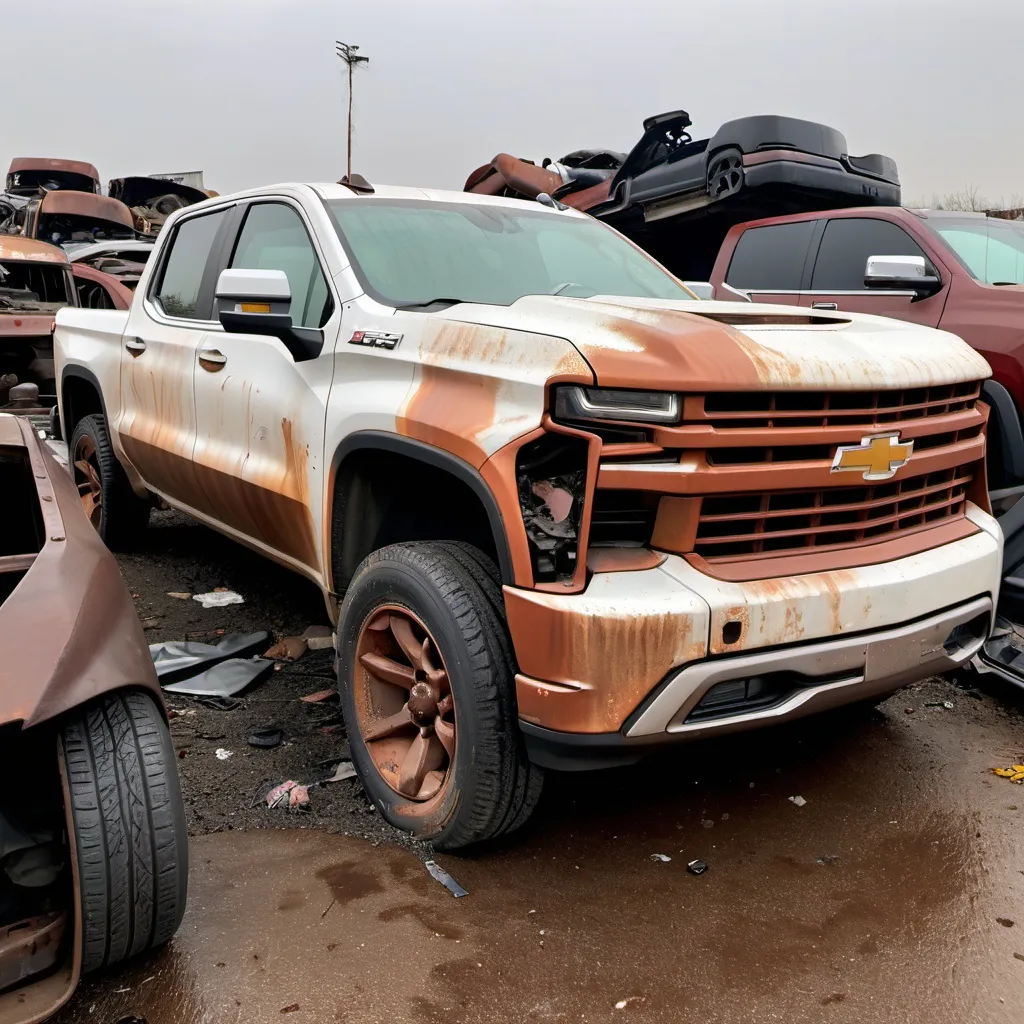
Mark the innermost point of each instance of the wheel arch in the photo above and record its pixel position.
(373, 456)
(80, 396)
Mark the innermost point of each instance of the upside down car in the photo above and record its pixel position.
(93, 845)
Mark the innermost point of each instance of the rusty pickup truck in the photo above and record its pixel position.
(562, 512)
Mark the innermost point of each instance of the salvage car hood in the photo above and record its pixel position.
(68, 629)
(725, 346)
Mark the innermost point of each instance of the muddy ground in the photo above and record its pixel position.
(894, 893)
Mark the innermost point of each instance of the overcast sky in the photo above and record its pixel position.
(250, 91)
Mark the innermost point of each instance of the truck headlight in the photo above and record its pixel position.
(582, 404)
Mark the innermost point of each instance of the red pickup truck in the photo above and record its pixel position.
(963, 272)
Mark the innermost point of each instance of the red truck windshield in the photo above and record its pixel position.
(410, 253)
(990, 248)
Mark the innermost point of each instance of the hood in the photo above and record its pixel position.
(741, 346)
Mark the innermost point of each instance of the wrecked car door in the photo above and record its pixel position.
(259, 413)
(769, 263)
(157, 422)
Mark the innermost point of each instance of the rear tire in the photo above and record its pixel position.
(129, 822)
(118, 513)
(449, 593)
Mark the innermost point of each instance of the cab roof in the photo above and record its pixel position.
(14, 247)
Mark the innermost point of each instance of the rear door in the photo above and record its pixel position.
(772, 262)
(259, 414)
(837, 281)
(156, 423)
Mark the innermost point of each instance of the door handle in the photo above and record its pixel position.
(212, 359)
(136, 346)
(824, 305)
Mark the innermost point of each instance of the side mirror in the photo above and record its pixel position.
(257, 302)
(902, 273)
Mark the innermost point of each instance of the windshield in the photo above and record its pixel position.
(990, 248)
(412, 253)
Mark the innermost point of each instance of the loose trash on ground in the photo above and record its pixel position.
(179, 595)
(663, 857)
(1015, 773)
(266, 738)
(177, 659)
(947, 704)
(289, 794)
(798, 800)
(291, 648)
(345, 770)
(222, 754)
(696, 867)
(218, 598)
(319, 696)
(439, 874)
(224, 680)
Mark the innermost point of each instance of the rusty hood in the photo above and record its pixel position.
(68, 629)
(722, 346)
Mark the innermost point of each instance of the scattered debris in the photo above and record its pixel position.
(266, 738)
(179, 595)
(439, 874)
(947, 704)
(1004, 921)
(345, 770)
(622, 1004)
(319, 697)
(798, 800)
(219, 597)
(707, 823)
(291, 648)
(663, 857)
(177, 659)
(1015, 773)
(696, 867)
(151, 622)
(828, 859)
(222, 754)
(289, 794)
(1018, 956)
(224, 680)
(290, 1008)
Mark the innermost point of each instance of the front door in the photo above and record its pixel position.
(259, 414)
(156, 424)
(838, 278)
(769, 262)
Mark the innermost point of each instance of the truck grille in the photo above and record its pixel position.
(741, 525)
(828, 408)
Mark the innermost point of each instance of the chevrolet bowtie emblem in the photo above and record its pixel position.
(877, 457)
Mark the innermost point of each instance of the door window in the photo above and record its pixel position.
(771, 258)
(178, 291)
(846, 246)
(273, 237)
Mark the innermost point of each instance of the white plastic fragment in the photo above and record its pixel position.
(345, 770)
(798, 800)
(222, 754)
(218, 598)
(663, 857)
(439, 874)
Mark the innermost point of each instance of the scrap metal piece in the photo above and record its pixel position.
(439, 874)
(696, 867)
(225, 679)
(176, 660)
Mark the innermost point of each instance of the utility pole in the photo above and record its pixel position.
(348, 53)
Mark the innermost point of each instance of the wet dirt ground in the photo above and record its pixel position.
(895, 893)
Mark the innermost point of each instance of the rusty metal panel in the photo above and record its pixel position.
(14, 247)
(85, 204)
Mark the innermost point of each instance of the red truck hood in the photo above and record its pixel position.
(716, 346)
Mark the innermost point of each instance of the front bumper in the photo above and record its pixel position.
(634, 655)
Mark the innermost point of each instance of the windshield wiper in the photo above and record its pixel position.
(429, 302)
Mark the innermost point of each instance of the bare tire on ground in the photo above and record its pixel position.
(129, 822)
(118, 513)
(427, 682)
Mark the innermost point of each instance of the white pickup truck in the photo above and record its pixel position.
(560, 511)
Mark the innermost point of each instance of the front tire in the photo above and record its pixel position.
(427, 684)
(118, 513)
(129, 822)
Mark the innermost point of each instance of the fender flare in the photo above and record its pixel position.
(1006, 420)
(381, 440)
(82, 374)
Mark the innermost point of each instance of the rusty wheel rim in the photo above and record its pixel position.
(87, 478)
(404, 704)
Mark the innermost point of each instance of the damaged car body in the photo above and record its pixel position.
(677, 197)
(561, 512)
(153, 200)
(84, 881)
